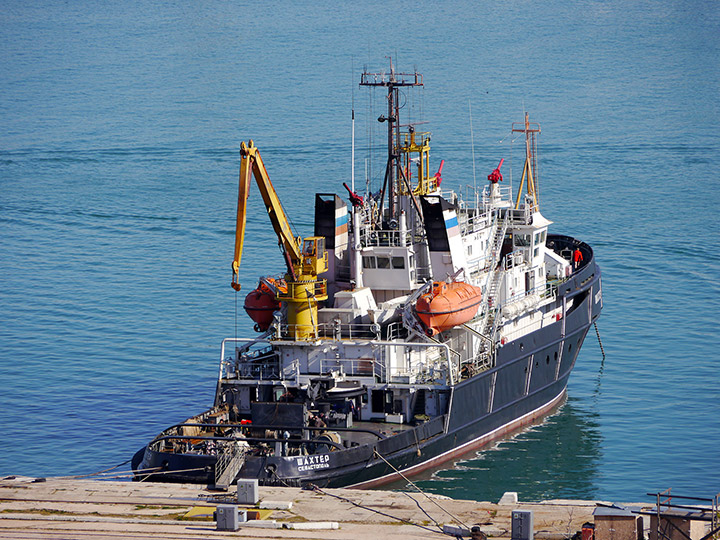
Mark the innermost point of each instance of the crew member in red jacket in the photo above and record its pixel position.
(577, 258)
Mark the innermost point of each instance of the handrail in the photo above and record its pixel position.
(245, 439)
(409, 344)
(250, 341)
(270, 426)
(422, 345)
(230, 459)
(386, 238)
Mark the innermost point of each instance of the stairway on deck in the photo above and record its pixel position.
(230, 461)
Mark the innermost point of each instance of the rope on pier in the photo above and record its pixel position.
(316, 489)
(457, 520)
(344, 499)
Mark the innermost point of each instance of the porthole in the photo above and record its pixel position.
(522, 346)
(547, 359)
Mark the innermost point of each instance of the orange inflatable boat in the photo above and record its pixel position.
(448, 305)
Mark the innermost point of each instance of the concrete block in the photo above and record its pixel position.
(522, 525)
(313, 526)
(453, 530)
(276, 505)
(247, 491)
(509, 497)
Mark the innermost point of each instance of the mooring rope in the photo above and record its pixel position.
(457, 520)
(316, 489)
(172, 472)
(92, 474)
(345, 499)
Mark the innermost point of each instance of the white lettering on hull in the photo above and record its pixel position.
(312, 463)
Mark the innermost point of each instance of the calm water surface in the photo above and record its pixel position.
(118, 170)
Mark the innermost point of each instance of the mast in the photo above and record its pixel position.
(393, 82)
(530, 167)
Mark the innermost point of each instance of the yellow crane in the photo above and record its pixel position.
(305, 259)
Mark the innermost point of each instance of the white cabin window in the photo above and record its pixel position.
(522, 240)
(383, 262)
(369, 262)
(398, 262)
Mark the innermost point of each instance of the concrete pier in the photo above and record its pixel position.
(57, 508)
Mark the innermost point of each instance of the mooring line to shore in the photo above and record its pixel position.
(345, 499)
(77, 476)
(316, 489)
(457, 520)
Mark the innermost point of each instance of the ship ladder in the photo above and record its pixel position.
(498, 238)
(231, 458)
(501, 226)
(493, 281)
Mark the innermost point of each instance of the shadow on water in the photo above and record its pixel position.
(556, 458)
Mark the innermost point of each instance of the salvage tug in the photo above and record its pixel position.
(413, 326)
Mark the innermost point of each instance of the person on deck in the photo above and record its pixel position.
(577, 258)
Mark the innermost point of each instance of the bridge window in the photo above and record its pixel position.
(383, 262)
(522, 240)
(369, 262)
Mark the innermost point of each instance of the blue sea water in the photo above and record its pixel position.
(121, 125)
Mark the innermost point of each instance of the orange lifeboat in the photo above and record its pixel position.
(261, 303)
(448, 305)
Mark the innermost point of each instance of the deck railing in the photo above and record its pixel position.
(386, 238)
(265, 363)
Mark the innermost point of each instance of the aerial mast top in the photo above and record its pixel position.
(530, 168)
(392, 81)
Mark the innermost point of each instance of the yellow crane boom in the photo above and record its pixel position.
(251, 163)
(305, 259)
